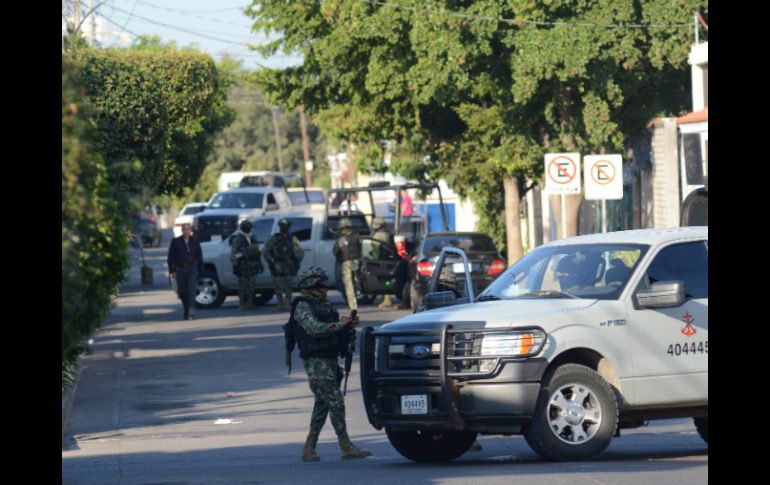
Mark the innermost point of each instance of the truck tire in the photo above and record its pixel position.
(702, 425)
(431, 446)
(576, 415)
(210, 293)
(263, 296)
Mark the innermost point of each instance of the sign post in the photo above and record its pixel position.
(562, 177)
(604, 180)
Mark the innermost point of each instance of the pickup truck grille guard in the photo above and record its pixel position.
(457, 354)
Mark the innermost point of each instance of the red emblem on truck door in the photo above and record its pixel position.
(688, 329)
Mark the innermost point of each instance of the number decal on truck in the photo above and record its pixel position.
(678, 350)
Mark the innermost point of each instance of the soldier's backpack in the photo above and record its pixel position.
(283, 252)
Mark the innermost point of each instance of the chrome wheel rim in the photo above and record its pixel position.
(208, 289)
(574, 414)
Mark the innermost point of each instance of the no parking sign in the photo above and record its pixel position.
(603, 177)
(562, 173)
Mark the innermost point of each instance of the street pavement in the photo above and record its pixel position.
(160, 400)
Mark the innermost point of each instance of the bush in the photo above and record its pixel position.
(94, 239)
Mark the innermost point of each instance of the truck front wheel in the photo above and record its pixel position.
(431, 446)
(576, 415)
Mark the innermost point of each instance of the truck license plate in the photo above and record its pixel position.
(414, 404)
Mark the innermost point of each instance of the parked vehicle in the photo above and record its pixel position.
(225, 209)
(186, 216)
(486, 262)
(316, 233)
(577, 340)
(147, 226)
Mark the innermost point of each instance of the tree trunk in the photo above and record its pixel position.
(513, 219)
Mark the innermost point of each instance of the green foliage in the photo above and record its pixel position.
(484, 99)
(93, 239)
(157, 111)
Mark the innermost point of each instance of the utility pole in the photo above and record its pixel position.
(92, 13)
(306, 147)
(277, 140)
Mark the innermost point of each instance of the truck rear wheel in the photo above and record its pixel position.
(576, 415)
(702, 425)
(431, 446)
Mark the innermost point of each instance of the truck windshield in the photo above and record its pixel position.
(230, 200)
(595, 271)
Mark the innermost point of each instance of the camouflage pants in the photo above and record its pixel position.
(350, 280)
(246, 285)
(322, 377)
(283, 286)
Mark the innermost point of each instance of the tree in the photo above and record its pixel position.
(157, 111)
(482, 88)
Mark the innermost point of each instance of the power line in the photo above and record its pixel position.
(522, 21)
(188, 13)
(181, 29)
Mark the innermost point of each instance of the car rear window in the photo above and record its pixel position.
(468, 243)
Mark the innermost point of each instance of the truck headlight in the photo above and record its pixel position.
(513, 344)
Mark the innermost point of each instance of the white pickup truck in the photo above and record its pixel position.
(580, 338)
(316, 233)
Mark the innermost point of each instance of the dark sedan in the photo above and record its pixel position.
(485, 260)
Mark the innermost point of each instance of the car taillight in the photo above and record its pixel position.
(497, 267)
(425, 268)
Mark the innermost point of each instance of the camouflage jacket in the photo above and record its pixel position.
(282, 267)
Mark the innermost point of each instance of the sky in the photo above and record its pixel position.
(217, 27)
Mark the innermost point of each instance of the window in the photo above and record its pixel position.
(301, 227)
(229, 200)
(686, 262)
(468, 243)
(261, 229)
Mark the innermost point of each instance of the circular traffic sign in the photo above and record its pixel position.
(603, 172)
(562, 170)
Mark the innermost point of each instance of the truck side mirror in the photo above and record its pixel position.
(662, 294)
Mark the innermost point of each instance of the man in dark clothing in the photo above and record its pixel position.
(185, 261)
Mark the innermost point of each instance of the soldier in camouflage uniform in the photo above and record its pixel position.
(347, 249)
(246, 259)
(382, 234)
(319, 330)
(447, 281)
(283, 254)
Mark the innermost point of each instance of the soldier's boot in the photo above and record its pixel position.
(308, 452)
(386, 302)
(287, 303)
(250, 302)
(350, 451)
(279, 307)
(242, 304)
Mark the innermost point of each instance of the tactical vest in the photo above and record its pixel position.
(350, 247)
(283, 249)
(326, 347)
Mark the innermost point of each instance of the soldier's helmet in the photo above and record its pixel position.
(245, 226)
(284, 224)
(447, 281)
(378, 223)
(312, 277)
(345, 224)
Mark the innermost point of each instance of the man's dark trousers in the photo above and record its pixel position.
(187, 283)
